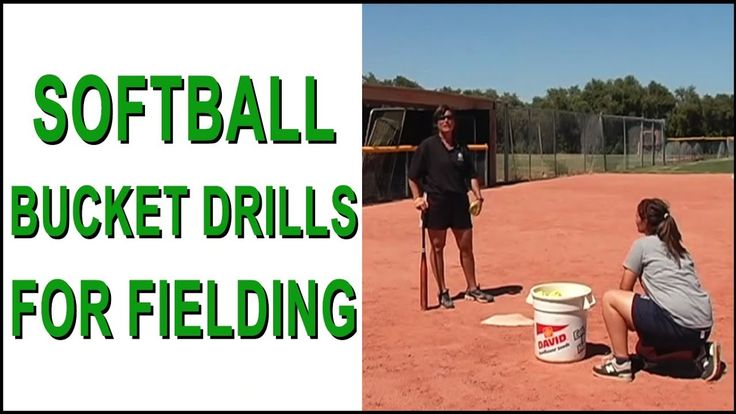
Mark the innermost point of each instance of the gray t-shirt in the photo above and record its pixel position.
(674, 288)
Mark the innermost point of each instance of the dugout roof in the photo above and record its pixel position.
(376, 95)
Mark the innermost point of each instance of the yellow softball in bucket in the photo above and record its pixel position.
(550, 293)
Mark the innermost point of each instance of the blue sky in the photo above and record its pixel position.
(526, 49)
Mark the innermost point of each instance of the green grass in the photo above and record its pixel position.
(521, 167)
(524, 167)
(723, 166)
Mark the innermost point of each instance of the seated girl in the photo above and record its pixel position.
(675, 313)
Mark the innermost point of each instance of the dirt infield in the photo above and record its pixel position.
(567, 229)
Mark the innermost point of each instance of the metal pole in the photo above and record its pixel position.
(664, 144)
(654, 145)
(626, 149)
(529, 140)
(583, 149)
(506, 143)
(554, 139)
(641, 142)
(603, 139)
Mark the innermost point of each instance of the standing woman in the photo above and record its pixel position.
(443, 169)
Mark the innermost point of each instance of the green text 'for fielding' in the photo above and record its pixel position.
(282, 310)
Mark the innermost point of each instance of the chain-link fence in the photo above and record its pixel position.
(698, 149)
(384, 175)
(530, 144)
(538, 143)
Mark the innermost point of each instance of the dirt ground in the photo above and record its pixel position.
(566, 229)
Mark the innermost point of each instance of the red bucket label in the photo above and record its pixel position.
(551, 338)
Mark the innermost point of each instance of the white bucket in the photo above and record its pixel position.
(560, 321)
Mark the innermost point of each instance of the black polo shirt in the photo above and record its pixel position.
(440, 170)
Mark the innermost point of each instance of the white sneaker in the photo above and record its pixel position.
(711, 362)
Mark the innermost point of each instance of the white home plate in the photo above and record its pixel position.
(509, 319)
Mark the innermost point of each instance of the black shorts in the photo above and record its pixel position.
(448, 210)
(657, 329)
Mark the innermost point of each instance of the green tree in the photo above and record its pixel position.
(512, 100)
(658, 102)
(399, 80)
(687, 117)
(488, 93)
(598, 95)
(718, 115)
(627, 95)
(556, 98)
(447, 89)
(371, 79)
(405, 82)
(686, 113)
